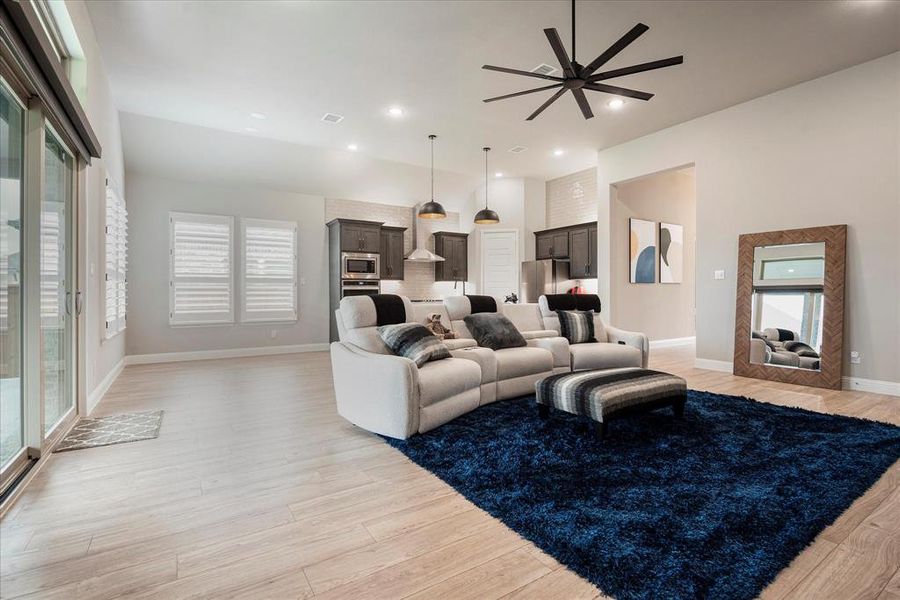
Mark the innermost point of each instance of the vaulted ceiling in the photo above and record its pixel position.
(213, 63)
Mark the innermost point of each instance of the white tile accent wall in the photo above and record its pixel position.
(418, 281)
(572, 199)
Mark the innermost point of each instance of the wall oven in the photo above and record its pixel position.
(356, 287)
(360, 265)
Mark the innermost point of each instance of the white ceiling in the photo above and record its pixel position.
(212, 63)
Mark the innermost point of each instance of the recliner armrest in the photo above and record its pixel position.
(537, 334)
(631, 338)
(458, 343)
(378, 392)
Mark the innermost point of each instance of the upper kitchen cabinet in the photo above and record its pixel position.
(454, 249)
(392, 252)
(577, 243)
(360, 236)
(552, 244)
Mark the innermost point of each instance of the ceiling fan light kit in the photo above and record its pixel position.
(486, 216)
(432, 209)
(578, 78)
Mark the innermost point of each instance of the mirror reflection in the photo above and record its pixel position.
(788, 305)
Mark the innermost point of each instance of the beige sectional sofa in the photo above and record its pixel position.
(390, 395)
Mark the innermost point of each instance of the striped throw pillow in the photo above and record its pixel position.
(577, 326)
(413, 341)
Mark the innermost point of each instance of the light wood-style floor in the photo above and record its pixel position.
(257, 489)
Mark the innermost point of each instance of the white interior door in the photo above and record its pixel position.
(499, 262)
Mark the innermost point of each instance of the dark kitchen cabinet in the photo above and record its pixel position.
(392, 252)
(578, 243)
(552, 244)
(360, 236)
(583, 251)
(454, 248)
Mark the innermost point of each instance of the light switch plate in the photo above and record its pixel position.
(719, 274)
(854, 357)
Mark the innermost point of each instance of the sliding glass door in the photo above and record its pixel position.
(57, 318)
(12, 155)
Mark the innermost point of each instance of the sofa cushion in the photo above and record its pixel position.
(413, 341)
(518, 362)
(604, 356)
(577, 326)
(494, 331)
(444, 379)
(526, 317)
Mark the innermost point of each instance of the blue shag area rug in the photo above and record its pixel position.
(714, 505)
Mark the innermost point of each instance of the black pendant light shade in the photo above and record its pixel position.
(486, 216)
(432, 209)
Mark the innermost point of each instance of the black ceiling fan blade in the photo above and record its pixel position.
(561, 56)
(633, 34)
(552, 99)
(647, 66)
(505, 96)
(518, 72)
(617, 91)
(583, 103)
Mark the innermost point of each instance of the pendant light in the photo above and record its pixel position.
(486, 216)
(432, 209)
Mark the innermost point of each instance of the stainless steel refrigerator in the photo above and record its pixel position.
(548, 276)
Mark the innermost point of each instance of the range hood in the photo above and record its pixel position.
(420, 231)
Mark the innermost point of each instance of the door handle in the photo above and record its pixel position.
(79, 303)
(68, 303)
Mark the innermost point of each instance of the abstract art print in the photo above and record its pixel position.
(642, 251)
(671, 251)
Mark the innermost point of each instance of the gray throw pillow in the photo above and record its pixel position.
(413, 341)
(494, 331)
(577, 326)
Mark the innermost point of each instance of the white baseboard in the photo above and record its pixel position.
(875, 386)
(95, 396)
(714, 365)
(672, 342)
(167, 357)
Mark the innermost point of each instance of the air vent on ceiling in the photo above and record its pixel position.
(332, 118)
(517, 149)
(544, 69)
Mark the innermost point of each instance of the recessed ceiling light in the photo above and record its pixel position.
(498, 174)
(257, 115)
(395, 111)
(352, 147)
(616, 103)
(251, 129)
(558, 152)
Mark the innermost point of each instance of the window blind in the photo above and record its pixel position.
(269, 282)
(200, 259)
(116, 261)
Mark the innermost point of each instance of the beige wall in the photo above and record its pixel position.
(151, 198)
(102, 355)
(572, 199)
(661, 310)
(823, 152)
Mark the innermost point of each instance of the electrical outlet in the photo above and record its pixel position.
(273, 334)
(854, 357)
(719, 274)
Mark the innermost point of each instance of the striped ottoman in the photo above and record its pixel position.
(610, 393)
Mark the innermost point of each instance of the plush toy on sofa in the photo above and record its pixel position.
(434, 325)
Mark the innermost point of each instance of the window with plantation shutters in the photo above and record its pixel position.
(116, 296)
(200, 269)
(269, 270)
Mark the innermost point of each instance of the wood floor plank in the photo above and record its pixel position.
(256, 488)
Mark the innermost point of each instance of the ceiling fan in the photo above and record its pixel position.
(579, 78)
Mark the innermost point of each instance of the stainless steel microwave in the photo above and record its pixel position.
(360, 265)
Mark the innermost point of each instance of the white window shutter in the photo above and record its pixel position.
(116, 268)
(269, 267)
(200, 269)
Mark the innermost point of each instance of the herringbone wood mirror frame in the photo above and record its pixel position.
(829, 375)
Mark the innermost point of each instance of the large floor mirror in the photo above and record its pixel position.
(789, 321)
